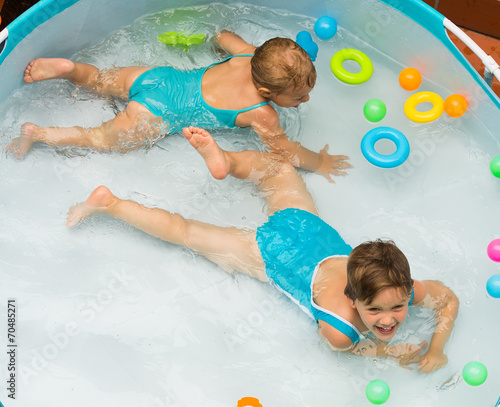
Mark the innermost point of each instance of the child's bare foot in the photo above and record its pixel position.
(48, 68)
(98, 202)
(21, 145)
(206, 146)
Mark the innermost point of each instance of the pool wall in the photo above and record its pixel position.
(408, 32)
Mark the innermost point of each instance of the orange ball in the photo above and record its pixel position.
(455, 105)
(410, 79)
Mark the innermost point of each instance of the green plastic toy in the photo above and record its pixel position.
(181, 39)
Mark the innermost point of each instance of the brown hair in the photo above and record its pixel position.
(281, 63)
(374, 266)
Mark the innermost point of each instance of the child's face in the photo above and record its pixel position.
(385, 314)
(291, 97)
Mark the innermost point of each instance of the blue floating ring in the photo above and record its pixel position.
(390, 160)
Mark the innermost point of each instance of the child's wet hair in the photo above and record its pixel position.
(376, 265)
(280, 64)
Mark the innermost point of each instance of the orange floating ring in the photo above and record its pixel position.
(249, 402)
(424, 117)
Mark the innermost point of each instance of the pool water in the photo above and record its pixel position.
(110, 316)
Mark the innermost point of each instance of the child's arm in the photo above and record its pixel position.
(273, 135)
(405, 353)
(233, 44)
(443, 301)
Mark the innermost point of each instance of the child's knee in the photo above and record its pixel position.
(286, 169)
(278, 166)
(106, 79)
(115, 135)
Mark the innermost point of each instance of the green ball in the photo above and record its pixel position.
(377, 392)
(374, 110)
(474, 373)
(495, 166)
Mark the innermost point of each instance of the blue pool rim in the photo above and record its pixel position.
(433, 21)
(417, 10)
(23, 25)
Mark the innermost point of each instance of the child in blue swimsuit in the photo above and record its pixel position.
(234, 92)
(349, 292)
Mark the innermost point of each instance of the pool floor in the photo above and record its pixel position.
(107, 315)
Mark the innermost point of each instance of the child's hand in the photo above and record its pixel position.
(332, 164)
(432, 361)
(405, 353)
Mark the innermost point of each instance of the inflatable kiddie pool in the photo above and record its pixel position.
(107, 315)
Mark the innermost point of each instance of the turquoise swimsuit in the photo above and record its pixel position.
(293, 243)
(176, 97)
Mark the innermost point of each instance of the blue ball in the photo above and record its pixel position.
(312, 50)
(493, 286)
(325, 27)
(305, 40)
(303, 36)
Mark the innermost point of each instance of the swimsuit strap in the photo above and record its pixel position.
(233, 113)
(411, 299)
(227, 59)
(339, 324)
(249, 107)
(252, 107)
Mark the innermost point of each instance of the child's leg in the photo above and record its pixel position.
(277, 180)
(230, 248)
(129, 130)
(106, 82)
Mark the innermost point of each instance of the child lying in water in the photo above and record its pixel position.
(348, 291)
(234, 92)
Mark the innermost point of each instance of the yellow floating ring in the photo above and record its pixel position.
(355, 55)
(424, 117)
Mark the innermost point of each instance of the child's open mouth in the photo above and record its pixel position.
(386, 331)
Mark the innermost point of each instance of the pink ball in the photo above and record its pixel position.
(494, 250)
